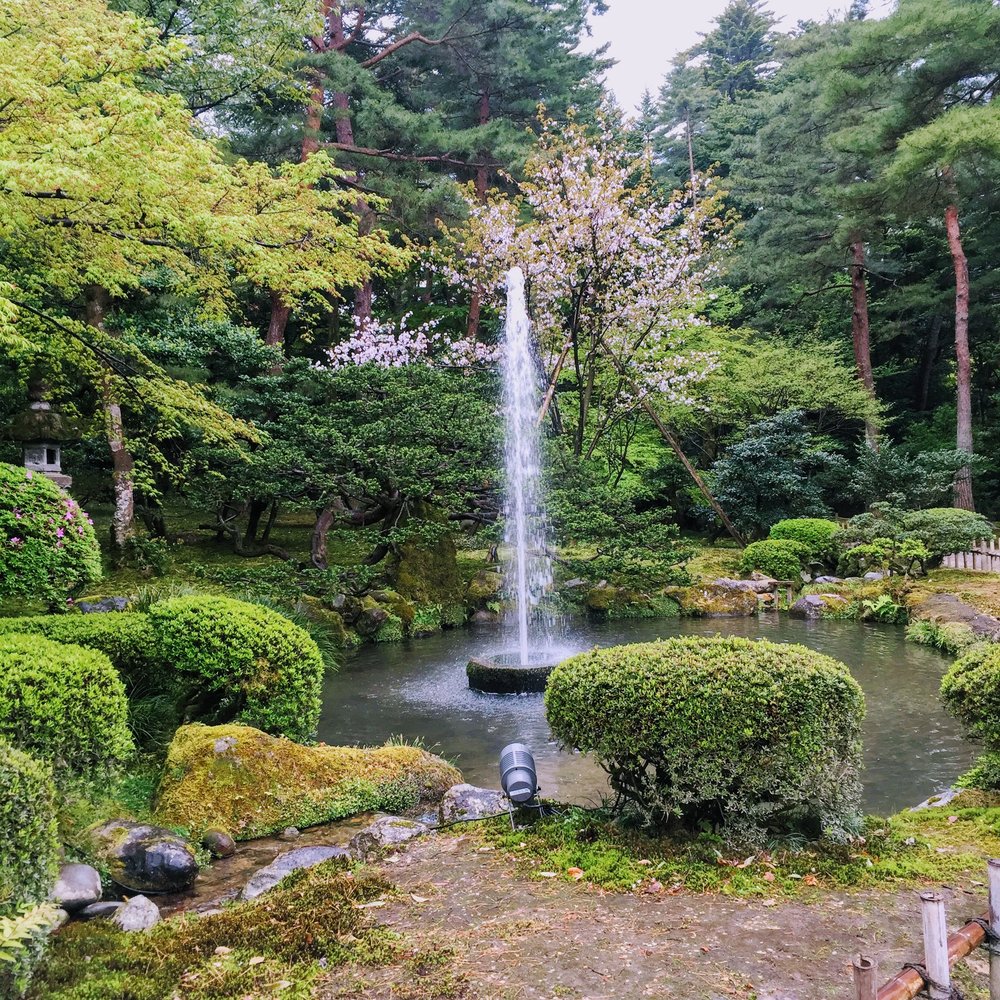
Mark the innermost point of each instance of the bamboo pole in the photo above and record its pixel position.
(993, 869)
(935, 926)
(866, 978)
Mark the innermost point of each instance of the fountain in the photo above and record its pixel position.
(529, 570)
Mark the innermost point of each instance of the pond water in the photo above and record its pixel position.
(418, 690)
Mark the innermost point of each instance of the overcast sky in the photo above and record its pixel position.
(646, 34)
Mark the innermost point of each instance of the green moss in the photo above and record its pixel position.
(391, 630)
(396, 605)
(252, 784)
(709, 601)
(484, 587)
(426, 620)
(313, 915)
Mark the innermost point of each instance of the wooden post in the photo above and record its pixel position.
(993, 869)
(866, 978)
(936, 945)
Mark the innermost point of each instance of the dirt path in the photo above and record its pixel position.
(482, 932)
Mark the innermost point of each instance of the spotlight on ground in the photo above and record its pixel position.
(518, 777)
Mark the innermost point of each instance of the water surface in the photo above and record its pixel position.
(418, 689)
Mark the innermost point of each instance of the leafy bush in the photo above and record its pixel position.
(912, 481)
(47, 543)
(780, 558)
(22, 938)
(752, 737)
(247, 663)
(817, 534)
(62, 703)
(971, 693)
(953, 638)
(944, 530)
(28, 842)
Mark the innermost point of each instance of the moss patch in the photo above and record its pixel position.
(251, 784)
(275, 945)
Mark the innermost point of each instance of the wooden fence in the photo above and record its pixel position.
(983, 557)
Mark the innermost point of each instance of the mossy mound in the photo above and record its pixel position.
(713, 601)
(484, 588)
(250, 784)
(605, 601)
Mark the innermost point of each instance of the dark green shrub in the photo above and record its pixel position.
(246, 662)
(946, 529)
(778, 557)
(29, 846)
(971, 693)
(47, 543)
(817, 534)
(752, 737)
(62, 703)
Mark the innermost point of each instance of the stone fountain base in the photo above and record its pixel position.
(505, 674)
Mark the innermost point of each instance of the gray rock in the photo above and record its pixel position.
(765, 586)
(469, 802)
(828, 579)
(939, 800)
(574, 583)
(100, 911)
(138, 914)
(302, 857)
(484, 618)
(813, 605)
(947, 608)
(290, 833)
(386, 831)
(146, 858)
(103, 606)
(218, 843)
(60, 919)
(76, 887)
(874, 576)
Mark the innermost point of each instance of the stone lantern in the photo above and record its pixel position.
(42, 429)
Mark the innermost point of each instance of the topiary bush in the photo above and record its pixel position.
(29, 845)
(246, 662)
(63, 703)
(817, 534)
(754, 738)
(47, 543)
(780, 558)
(971, 693)
(944, 530)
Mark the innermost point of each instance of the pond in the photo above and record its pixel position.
(418, 690)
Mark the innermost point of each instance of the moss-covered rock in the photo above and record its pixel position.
(251, 784)
(606, 601)
(715, 601)
(426, 566)
(317, 611)
(483, 589)
(396, 605)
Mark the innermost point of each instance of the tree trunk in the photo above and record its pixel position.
(254, 514)
(324, 521)
(278, 322)
(928, 357)
(122, 464)
(963, 369)
(860, 332)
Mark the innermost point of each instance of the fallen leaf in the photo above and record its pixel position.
(419, 899)
(769, 902)
(952, 819)
(576, 873)
(644, 861)
(486, 850)
(548, 874)
(256, 960)
(810, 880)
(705, 949)
(222, 950)
(768, 876)
(367, 906)
(653, 887)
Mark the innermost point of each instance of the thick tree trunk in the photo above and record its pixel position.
(324, 521)
(278, 323)
(963, 369)
(122, 464)
(861, 332)
(927, 360)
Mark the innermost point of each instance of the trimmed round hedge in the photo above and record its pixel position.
(817, 534)
(780, 558)
(946, 529)
(752, 737)
(29, 845)
(47, 543)
(249, 663)
(63, 703)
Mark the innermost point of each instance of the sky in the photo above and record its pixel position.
(645, 35)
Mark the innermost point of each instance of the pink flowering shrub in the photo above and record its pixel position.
(47, 543)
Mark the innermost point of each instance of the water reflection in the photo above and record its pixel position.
(418, 690)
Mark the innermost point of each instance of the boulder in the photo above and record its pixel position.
(251, 784)
(100, 911)
(146, 858)
(815, 605)
(386, 831)
(713, 601)
(372, 617)
(290, 833)
(763, 586)
(103, 606)
(943, 609)
(76, 887)
(484, 618)
(138, 914)
(828, 579)
(467, 802)
(484, 588)
(284, 864)
(218, 843)
(871, 577)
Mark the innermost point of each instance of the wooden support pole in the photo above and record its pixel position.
(866, 978)
(936, 945)
(993, 869)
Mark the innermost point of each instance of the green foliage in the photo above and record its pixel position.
(751, 737)
(22, 937)
(314, 918)
(944, 530)
(817, 534)
(953, 638)
(909, 481)
(28, 842)
(249, 663)
(971, 693)
(778, 470)
(884, 609)
(780, 558)
(47, 544)
(63, 703)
